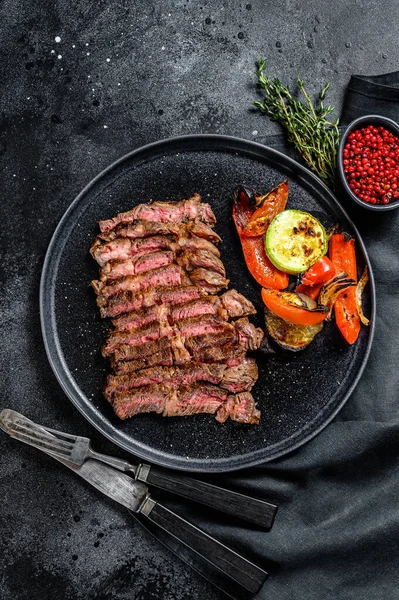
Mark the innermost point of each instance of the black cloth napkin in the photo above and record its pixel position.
(336, 534)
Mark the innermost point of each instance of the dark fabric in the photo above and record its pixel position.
(336, 534)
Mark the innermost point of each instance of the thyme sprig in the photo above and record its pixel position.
(315, 136)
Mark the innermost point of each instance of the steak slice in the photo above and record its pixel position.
(191, 259)
(141, 229)
(151, 398)
(137, 337)
(124, 249)
(230, 304)
(229, 354)
(173, 376)
(240, 408)
(125, 302)
(208, 281)
(237, 305)
(164, 212)
(126, 352)
(193, 326)
(194, 242)
(249, 336)
(122, 268)
(240, 378)
(209, 305)
(164, 276)
(162, 358)
(194, 399)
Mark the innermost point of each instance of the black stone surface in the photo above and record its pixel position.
(124, 74)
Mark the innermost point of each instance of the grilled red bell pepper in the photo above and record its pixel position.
(321, 272)
(343, 256)
(260, 267)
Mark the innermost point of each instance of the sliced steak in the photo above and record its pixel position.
(137, 337)
(125, 302)
(240, 378)
(173, 376)
(191, 259)
(151, 398)
(249, 336)
(139, 318)
(231, 354)
(240, 408)
(194, 399)
(162, 358)
(194, 242)
(208, 281)
(230, 304)
(210, 305)
(141, 229)
(133, 266)
(200, 325)
(124, 249)
(126, 352)
(170, 275)
(164, 212)
(193, 326)
(237, 305)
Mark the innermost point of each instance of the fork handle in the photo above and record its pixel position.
(255, 511)
(229, 562)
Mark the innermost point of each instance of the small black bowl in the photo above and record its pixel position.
(357, 124)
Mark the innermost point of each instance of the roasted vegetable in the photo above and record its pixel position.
(260, 267)
(332, 289)
(267, 207)
(294, 308)
(321, 272)
(289, 336)
(359, 293)
(342, 254)
(295, 241)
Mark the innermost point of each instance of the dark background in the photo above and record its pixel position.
(125, 74)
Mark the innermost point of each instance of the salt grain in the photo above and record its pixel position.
(57, 39)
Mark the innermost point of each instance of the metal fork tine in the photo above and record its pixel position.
(47, 443)
(36, 434)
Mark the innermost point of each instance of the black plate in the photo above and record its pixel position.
(298, 394)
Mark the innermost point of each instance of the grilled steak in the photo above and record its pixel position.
(234, 379)
(230, 304)
(240, 408)
(176, 348)
(124, 302)
(142, 229)
(208, 281)
(122, 268)
(191, 259)
(164, 212)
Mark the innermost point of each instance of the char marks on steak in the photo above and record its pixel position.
(164, 212)
(176, 348)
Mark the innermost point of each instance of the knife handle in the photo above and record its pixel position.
(255, 511)
(230, 563)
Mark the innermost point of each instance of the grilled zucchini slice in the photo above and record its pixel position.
(294, 241)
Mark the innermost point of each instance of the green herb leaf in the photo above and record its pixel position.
(314, 136)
